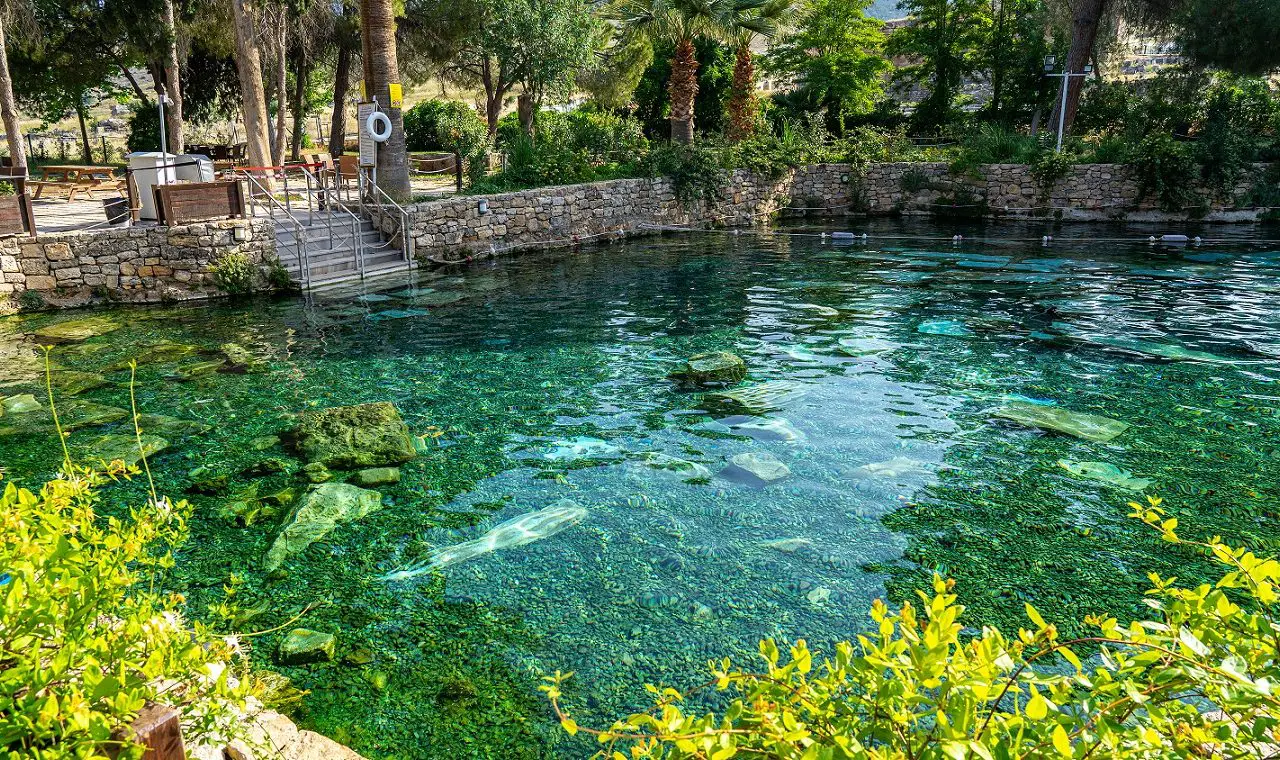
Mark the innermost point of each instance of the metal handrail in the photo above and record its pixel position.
(404, 218)
(300, 237)
(330, 203)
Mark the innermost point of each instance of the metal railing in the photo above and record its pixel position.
(371, 194)
(309, 183)
(272, 204)
(328, 202)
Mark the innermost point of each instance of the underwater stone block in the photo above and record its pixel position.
(377, 476)
(346, 437)
(719, 368)
(76, 330)
(764, 467)
(1090, 427)
(302, 646)
(320, 510)
(125, 448)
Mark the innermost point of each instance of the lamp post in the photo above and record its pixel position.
(162, 100)
(1050, 63)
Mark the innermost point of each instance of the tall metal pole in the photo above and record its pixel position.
(164, 142)
(1062, 109)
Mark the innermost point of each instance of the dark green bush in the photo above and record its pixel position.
(695, 170)
(431, 125)
(1165, 168)
(144, 128)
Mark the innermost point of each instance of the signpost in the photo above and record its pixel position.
(368, 147)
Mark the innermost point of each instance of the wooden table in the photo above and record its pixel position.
(77, 179)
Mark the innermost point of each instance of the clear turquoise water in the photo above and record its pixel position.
(900, 351)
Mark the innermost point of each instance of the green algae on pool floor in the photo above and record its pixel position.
(598, 517)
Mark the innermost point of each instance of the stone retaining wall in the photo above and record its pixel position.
(546, 217)
(455, 228)
(134, 264)
(1088, 192)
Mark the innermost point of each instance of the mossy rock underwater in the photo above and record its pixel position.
(319, 511)
(1090, 427)
(348, 437)
(720, 368)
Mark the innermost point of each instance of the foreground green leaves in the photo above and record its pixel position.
(86, 639)
(1194, 680)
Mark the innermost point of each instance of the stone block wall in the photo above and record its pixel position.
(133, 264)
(546, 217)
(1088, 192)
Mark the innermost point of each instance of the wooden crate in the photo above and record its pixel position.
(16, 215)
(199, 201)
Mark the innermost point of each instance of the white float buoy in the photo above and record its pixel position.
(842, 236)
(1173, 238)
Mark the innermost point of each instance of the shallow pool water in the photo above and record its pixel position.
(917, 388)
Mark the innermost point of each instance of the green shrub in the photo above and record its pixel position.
(1165, 168)
(695, 171)
(444, 125)
(1196, 680)
(991, 144)
(278, 277)
(86, 641)
(605, 136)
(233, 273)
(914, 180)
(144, 128)
(31, 300)
(1049, 167)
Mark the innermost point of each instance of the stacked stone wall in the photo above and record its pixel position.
(134, 264)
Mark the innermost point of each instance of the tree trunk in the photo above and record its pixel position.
(172, 83)
(249, 65)
(296, 107)
(8, 109)
(492, 97)
(1084, 33)
(281, 88)
(683, 88)
(132, 80)
(742, 95)
(86, 150)
(341, 83)
(526, 108)
(379, 27)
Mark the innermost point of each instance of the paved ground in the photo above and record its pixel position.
(57, 215)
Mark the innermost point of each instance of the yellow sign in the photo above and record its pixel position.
(363, 95)
(397, 95)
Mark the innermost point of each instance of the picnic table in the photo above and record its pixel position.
(77, 179)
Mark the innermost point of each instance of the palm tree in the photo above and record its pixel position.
(764, 22)
(378, 29)
(680, 22)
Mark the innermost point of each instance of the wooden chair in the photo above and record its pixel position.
(348, 171)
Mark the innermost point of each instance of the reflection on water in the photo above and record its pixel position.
(574, 510)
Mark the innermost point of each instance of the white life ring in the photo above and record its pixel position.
(379, 126)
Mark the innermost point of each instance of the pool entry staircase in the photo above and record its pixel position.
(326, 236)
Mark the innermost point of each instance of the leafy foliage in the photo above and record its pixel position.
(449, 126)
(695, 171)
(714, 78)
(921, 686)
(943, 40)
(1166, 169)
(834, 52)
(88, 641)
(234, 273)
